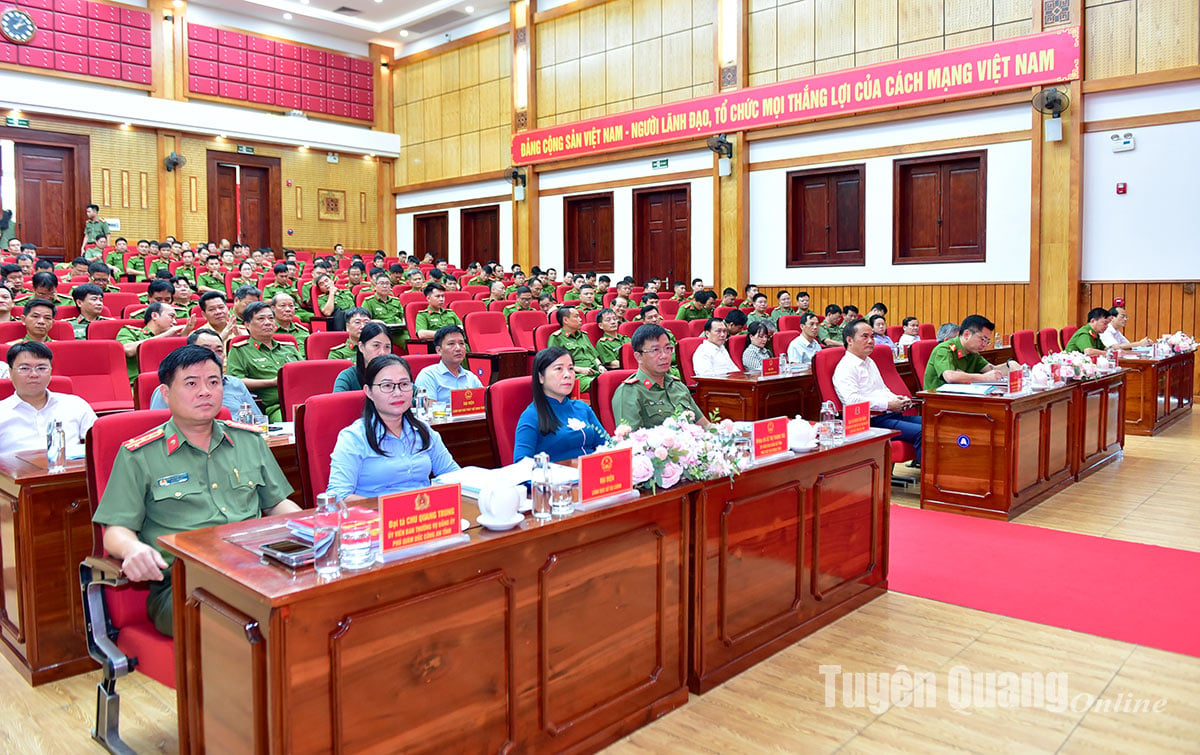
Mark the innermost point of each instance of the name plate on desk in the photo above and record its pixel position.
(1016, 381)
(858, 418)
(769, 437)
(605, 474)
(467, 401)
(770, 367)
(1055, 371)
(419, 516)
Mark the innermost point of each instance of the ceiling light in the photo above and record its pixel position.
(125, 126)
(404, 32)
(287, 16)
(469, 9)
(303, 147)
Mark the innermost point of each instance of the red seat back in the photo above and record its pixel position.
(602, 391)
(687, 349)
(628, 328)
(669, 308)
(782, 339)
(893, 332)
(60, 330)
(506, 399)
(628, 360)
(522, 324)
(151, 353)
(418, 362)
(824, 364)
(541, 336)
(681, 329)
(1048, 341)
(885, 361)
(788, 322)
(464, 308)
(318, 345)
(737, 346)
(58, 384)
(1067, 332)
(488, 331)
(1023, 348)
(919, 353)
(106, 330)
(144, 386)
(66, 312)
(410, 315)
(299, 381)
(454, 296)
(411, 297)
(497, 306)
(318, 422)
(927, 332)
(98, 372)
(695, 327)
(592, 331)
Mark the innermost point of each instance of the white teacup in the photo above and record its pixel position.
(499, 503)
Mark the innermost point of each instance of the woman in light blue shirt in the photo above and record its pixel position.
(563, 427)
(387, 450)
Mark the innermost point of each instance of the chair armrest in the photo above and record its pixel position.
(106, 569)
(97, 574)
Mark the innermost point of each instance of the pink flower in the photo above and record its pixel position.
(671, 472)
(726, 426)
(660, 453)
(622, 430)
(642, 468)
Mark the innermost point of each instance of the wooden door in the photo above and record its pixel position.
(431, 233)
(255, 207)
(45, 213)
(480, 228)
(662, 234)
(226, 209)
(588, 233)
(245, 200)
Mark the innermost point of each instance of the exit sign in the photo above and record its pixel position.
(244, 150)
(658, 164)
(16, 122)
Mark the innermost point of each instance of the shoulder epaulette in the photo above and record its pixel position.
(239, 344)
(631, 380)
(243, 426)
(134, 444)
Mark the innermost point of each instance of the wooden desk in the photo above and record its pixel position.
(915, 383)
(747, 396)
(794, 545)
(998, 456)
(1159, 392)
(546, 638)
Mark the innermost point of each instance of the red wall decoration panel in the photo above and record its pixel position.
(86, 38)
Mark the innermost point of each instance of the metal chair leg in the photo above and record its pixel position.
(108, 719)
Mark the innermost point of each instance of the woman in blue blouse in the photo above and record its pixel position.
(374, 341)
(387, 450)
(555, 423)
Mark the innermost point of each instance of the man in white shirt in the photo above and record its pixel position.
(1113, 338)
(912, 329)
(26, 415)
(711, 359)
(804, 347)
(857, 379)
(449, 374)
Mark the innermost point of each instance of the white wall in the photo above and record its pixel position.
(467, 194)
(550, 212)
(1007, 215)
(1153, 231)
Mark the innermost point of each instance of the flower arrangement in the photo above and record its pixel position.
(1180, 342)
(1072, 364)
(679, 449)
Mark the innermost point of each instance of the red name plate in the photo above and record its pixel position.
(605, 474)
(770, 367)
(466, 401)
(769, 437)
(1055, 371)
(419, 516)
(858, 418)
(1016, 381)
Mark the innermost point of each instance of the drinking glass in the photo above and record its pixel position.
(358, 544)
(540, 498)
(562, 499)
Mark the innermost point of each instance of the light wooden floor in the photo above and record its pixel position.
(1149, 496)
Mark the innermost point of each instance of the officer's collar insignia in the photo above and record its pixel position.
(648, 383)
(173, 443)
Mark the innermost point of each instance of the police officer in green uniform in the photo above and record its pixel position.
(258, 361)
(283, 283)
(355, 320)
(193, 471)
(608, 346)
(748, 292)
(158, 322)
(90, 300)
(699, 308)
(212, 279)
(286, 322)
(94, 227)
(1087, 338)
(958, 360)
(830, 332)
(435, 315)
(783, 309)
(571, 337)
(524, 302)
(650, 395)
(759, 311)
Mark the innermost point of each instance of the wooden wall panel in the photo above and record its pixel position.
(1154, 307)
(1111, 40)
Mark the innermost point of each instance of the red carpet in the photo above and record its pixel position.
(1126, 591)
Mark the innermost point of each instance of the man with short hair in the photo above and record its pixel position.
(94, 227)
(214, 308)
(850, 313)
(878, 308)
(783, 309)
(547, 303)
(1114, 338)
(283, 283)
(32, 410)
(244, 296)
(736, 322)
(700, 307)
(257, 360)
(45, 286)
(234, 390)
(571, 337)
(587, 299)
(856, 379)
(911, 327)
(191, 472)
(79, 267)
(25, 262)
(435, 315)
(90, 300)
(650, 395)
(518, 280)
(711, 358)
(450, 373)
(620, 305)
(1087, 338)
(157, 290)
(356, 318)
(524, 302)
(946, 331)
(182, 294)
(803, 301)
(959, 359)
(99, 274)
(832, 330)
(680, 292)
(804, 347)
(212, 279)
(286, 323)
(728, 297)
(748, 292)
(158, 321)
(38, 318)
(759, 313)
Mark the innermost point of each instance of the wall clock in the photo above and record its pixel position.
(17, 26)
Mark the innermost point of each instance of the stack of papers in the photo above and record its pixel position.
(971, 389)
(302, 528)
(475, 479)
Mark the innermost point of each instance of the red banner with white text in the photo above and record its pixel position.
(1044, 58)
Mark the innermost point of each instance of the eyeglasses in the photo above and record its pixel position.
(388, 386)
(656, 351)
(26, 370)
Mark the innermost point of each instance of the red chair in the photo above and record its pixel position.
(592, 315)
(144, 386)
(628, 360)
(106, 330)
(409, 297)
(475, 290)
(453, 296)
(488, 333)
(608, 297)
(687, 349)
(418, 362)
(886, 363)
(720, 312)
(505, 401)
(1067, 332)
(593, 332)
(782, 339)
(737, 347)
(602, 392)
(133, 311)
(926, 331)
(628, 328)
(58, 384)
(299, 381)
(98, 373)
(669, 308)
(318, 345)
(60, 330)
(631, 313)
(918, 355)
(410, 316)
(824, 363)
(318, 422)
(151, 353)
(541, 336)
(695, 328)
(522, 324)
(1048, 341)
(65, 312)
(681, 329)
(790, 322)
(893, 332)
(1023, 348)
(464, 308)
(498, 306)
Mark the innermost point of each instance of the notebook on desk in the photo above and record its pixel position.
(974, 389)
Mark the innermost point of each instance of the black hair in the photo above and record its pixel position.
(1114, 312)
(84, 290)
(977, 323)
(907, 320)
(195, 335)
(606, 311)
(353, 311)
(242, 292)
(43, 264)
(254, 308)
(280, 267)
(708, 324)
(851, 329)
(1096, 313)
(547, 422)
(95, 207)
(208, 296)
(431, 287)
(880, 306)
(704, 297)
(153, 308)
(729, 291)
(736, 317)
(446, 330)
(41, 303)
(646, 309)
(832, 309)
(39, 350)
(9, 268)
(184, 356)
(757, 327)
(561, 313)
(649, 296)
(846, 310)
(648, 332)
(746, 288)
(780, 294)
(871, 320)
(808, 316)
(98, 267)
(44, 280)
(758, 296)
(159, 285)
(372, 329)
(372, 423)
(803, 293)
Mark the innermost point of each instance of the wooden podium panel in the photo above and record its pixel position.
(1159, 392)
(546, 638)
(789, 547)
(1102, 421)
(746, 397)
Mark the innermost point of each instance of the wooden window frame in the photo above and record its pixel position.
(791, 222)
(898, 167)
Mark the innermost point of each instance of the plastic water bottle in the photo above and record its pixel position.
(327, 524)
(540, 491)
(827, 431)
(245, 413)
(421, 405)
(1026, 379)
(56, 447)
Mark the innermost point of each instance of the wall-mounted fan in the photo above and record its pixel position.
(173, 161)
(1052, 102)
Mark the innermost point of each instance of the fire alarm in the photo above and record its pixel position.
(1121, 188)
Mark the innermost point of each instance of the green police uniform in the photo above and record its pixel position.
(427, 319)
(609, 349)
(583, 354)
(186, 271)
(830, 331)
(136, 268)
(132, 334)
(515, 307)
(162, 484)
(693, 311)
(746, 306)
(950, 355)
(275, 288)
(116, 261)
(94, 229)
(80, 325)
(238, 282)
(753, 317)
(297, 330)
(640, 402)
(250, 359)
(389, 311)
(571, 295)
(156, 264)
(215, 282)
(582, 307)
(479, 280)
(345, 351)
(342, 300)
(59, 300)
(782, 312)
(1084, 338)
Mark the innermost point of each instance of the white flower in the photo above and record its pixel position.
(575, 424)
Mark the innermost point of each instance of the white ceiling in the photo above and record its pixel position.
(378, 22)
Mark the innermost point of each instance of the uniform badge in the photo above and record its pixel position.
(174, 479)
(172, 443)
(648, 383)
